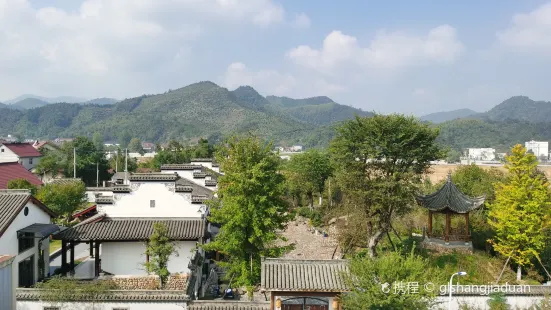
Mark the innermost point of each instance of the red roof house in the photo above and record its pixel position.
(23, 149)
(12, 171)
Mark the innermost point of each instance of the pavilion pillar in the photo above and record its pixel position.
(448, 222)
(91, 248)
(63, 255)
(468, 236)
(430, 223)
(72, 262)
(97, 266)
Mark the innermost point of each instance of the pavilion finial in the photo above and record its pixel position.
(449, 175)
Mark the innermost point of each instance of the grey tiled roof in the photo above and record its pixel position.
(184, 189)
(180, 167)
(105, 200)
(197, 189)
(12, 202)
(303, 275)
(211, 182)
(199, 175)
(227, 305)
(103, 228)
(203, 160)
(153, 177)
(115, 295)
(121, 189)
(198, 199)
(66, 181)
(450, 197)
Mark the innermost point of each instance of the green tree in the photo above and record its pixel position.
(454, 156)
(521, 210)
(380, 161)
(123, 138)
(251, 208)
(97, 139)
(63, 198)
(117, 163)
(373, 282)
(135, 146)
(159, 248)
(203, 149)
(309, 171)
(58, 290)
(22, 184)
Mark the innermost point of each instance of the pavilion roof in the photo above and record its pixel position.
(450, 197)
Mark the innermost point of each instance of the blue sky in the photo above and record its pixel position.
(387, 56)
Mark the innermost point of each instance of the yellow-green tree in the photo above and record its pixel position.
(521, 210)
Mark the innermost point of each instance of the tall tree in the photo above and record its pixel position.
(22, 184)
(380, 161)
(118, 163)
(97, 139)
(135, 146)
(123, 138)
(63, 198)
(251, 208)
(521, 210)
(159, 248)
(310, 170)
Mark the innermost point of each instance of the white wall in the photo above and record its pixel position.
(539, 148)
(26, 162)
(137, 203)
(6, 155)
(137, 305)
(481, 302)
(9, 243)
(127, 258)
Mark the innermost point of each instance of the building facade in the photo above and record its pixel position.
(539, 148)
(23, 153)
(481, 154)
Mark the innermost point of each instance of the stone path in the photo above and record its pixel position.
(308, 243)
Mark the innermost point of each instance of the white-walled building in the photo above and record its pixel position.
(481, 154)
(23, 153)
(195, 173)
(539, 148)
(25, 227)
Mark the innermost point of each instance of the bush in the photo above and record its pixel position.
(316, 219)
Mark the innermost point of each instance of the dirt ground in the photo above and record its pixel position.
(440, 172)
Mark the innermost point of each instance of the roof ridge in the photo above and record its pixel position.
(15, 191)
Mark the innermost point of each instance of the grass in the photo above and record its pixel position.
(54, 245)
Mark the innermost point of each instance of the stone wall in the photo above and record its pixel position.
(176, 282)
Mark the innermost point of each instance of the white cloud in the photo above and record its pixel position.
(271, 82)
(302, 21)
(529, 30)
(110, 45)
(387, 51)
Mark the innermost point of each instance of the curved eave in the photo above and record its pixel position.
(450, 197)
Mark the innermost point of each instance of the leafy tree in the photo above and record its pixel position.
(135, 146)
(97, 139)
(380, 161)
(382, 282)
(521, 210)
(63, 198)
(124, 138)
(251, 208)
(159, 248)
(309, 171)
(22, 184)
(454, 156)
(117, 163)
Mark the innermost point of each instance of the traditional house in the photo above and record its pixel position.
(195, 173)
(119, 232)
(23, 153)
(45, 145)
(13, 171)
(304, 284)
(25, 227)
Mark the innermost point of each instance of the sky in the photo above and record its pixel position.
(412, 57)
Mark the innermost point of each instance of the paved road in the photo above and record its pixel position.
(82, 250)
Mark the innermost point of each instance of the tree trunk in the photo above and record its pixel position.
(310, 200)
(373, 241)
(519, 273)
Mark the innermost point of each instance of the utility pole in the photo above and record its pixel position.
(126, 166)
(97, 174)
(74, 163)
(117, 161)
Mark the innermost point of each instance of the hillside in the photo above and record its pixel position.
(440, 117)
(46, 99)
(101, 101)
(520, 108)
(29, 103)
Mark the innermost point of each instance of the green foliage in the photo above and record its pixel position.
(135, 146)
(97, 139)
(22, 184)
(454, 156)
(176, 153)
(250, 210)
(307, 173)
(64, 198)
(498, 301)
(123, 138)
(521, 210)
(117, 163)
(60, 289)
(315, 216)
(159, 248)
(380, 161)
(369, 275)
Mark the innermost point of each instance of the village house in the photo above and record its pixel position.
(203, 172)
(25, 228)
(23, 153)
(45, 145)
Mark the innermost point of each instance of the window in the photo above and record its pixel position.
(26, 241)
(26, 272)
(30, 161)
(2, 150)
(152, 203)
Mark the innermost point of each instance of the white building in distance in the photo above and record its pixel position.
(481, 154)
(539, 148)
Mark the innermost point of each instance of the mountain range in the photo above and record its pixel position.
(25, 102)
(202, 109)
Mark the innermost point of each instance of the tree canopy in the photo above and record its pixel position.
(22, 184)
(63, 198)
(135, 146)
(159, 248)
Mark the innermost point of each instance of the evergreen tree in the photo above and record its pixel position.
(159, 248)
(521, 211)
(251, 208)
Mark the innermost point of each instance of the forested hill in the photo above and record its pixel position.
(440, 117)
(199, 110)
(520, 108)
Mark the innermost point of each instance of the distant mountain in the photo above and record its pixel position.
(101, 101)
(250, 98)
(293, 103)
(29, 103)
(66, 99)
(440, 117)
(520, 108)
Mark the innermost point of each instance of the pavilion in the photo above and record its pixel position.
(449, 200)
